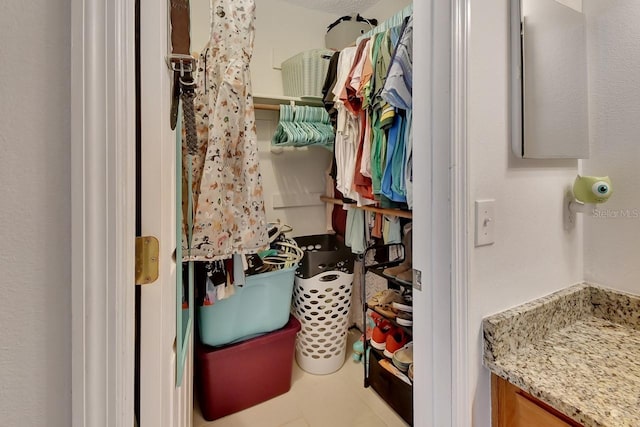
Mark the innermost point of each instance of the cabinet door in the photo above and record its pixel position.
(512, 407)
(528, 414)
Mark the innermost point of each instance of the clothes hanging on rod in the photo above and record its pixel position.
(228, 207)
(397, 91)
(370, 86)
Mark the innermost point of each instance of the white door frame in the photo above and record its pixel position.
(103, 216)
(162, 403)
(441, 392)
(460, 214)
(103, 211)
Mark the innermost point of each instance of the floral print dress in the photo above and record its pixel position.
(228, 205)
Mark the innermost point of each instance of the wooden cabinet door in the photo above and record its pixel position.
(528, 414)
(512, 407)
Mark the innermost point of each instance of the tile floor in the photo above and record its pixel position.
(336, 400)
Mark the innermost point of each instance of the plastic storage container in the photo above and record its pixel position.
(321, 302)
(262, 305)
(232, 378)
(303, 74)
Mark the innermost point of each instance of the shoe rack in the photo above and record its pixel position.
(396, 392)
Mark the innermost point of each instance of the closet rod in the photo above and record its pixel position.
(384, 211)
(394, 21)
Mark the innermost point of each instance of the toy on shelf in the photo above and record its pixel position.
(358, 346)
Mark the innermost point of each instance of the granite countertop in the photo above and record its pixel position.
(577, 350)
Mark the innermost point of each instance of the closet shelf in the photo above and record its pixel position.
(379, 272)
(384, 211)
(273, 102)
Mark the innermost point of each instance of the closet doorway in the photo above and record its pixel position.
(432, 241)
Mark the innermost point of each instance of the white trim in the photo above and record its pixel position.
(424, 388)
(103, 212)
(441, 205)
(432, 232)
(461, 410)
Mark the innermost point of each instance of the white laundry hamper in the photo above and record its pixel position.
(321, 304)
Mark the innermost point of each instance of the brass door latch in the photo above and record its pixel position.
(147, 265)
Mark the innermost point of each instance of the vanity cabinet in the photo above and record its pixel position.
(512, 407)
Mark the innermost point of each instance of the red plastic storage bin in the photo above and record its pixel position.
(238, 376)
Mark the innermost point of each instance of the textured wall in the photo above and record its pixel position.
(612, 236)
(35, 306)
(533, 255)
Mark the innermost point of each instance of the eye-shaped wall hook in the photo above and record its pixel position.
(587, 192)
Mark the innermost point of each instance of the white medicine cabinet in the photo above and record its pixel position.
(549, 93)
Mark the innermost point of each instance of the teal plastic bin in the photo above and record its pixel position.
(262, 305)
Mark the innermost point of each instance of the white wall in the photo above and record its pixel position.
(612, 247)
(533, 255)
(385, 9)
(294, 177)
(35, 308)
(574, 4)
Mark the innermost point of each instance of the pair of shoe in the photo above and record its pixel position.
(392, 304)
(404, 311)
(383, 302)
(403, 358)
(385, 297)
(404, 271)
(388, 338)
(404, 318)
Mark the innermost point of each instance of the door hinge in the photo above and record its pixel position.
(417, 279)
(147, 252)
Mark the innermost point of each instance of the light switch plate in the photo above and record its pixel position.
(485, 222)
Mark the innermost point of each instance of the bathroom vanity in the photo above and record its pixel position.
(568, 359)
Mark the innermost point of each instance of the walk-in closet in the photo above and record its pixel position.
(294, 146)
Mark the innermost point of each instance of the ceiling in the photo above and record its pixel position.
(338, 7)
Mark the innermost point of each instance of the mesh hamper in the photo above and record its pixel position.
(322, 306)
(321, 302)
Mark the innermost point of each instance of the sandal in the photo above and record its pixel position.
(384, 297)
(387, 310)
